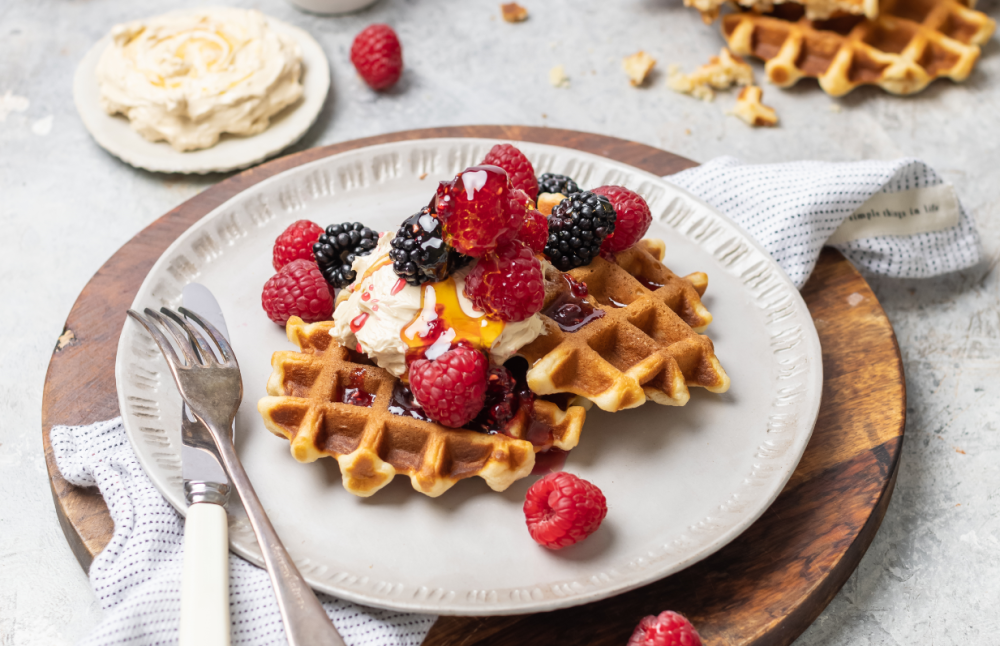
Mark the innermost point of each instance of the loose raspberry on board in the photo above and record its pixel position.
(378, 56)
(451, 388)
(519, 169)
(295, 243)
(298, 289)
(632, 217)
(507, 284)
(666, 629)
(562, 509)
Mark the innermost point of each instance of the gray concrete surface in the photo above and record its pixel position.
(932, 575)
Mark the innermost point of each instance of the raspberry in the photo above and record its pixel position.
(452, 388)
(667, 629)
(534, 231)
(507, 284)
(298, 289)
(378, 56)
(519, 169)
(518, 205)
(295, 243)
(475, 210)
(631, 221)
(562, 509)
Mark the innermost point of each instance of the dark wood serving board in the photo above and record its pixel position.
(764, 588)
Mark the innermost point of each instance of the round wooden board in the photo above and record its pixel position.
(764, 588)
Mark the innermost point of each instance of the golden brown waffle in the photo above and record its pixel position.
(814, 9)
(911, 43)
(651, 347)
(372, 444)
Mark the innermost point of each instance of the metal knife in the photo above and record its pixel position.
(205, 575)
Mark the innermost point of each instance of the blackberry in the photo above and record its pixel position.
(577, 227)
(338, 246)
(419, 254)
(552, 183)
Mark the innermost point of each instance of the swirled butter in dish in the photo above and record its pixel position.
(188, 77)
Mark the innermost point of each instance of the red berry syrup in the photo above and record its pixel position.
(354, 392)
(570, 310)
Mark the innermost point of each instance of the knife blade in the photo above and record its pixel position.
(200, 461)
(205, 574)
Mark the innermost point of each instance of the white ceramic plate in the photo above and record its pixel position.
(680, 482)
(115, 135)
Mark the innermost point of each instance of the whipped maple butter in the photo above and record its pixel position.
(383, 317)
(187, 77)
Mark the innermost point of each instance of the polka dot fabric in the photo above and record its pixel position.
(138, 576)
(792, 209)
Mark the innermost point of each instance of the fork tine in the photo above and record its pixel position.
(165, 348)
(179, 339)
(220, 340)
(196, 337)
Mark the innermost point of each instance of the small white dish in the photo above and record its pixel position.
(115, 134)
(329, 7)
(681, 482)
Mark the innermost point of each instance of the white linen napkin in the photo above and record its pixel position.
(889, 217)
(138, 575)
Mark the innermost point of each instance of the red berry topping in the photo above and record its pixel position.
(507, 284)
(296, 243)
(667, 629)
(534, 231)
(298, 289)
(378, 56)
(562, 509)
(475, 210)
(518, 205)
(632, 218)
(519, 169)
(452, 388)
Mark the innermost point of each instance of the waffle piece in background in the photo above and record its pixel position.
(371, 443)
(720, 73)
(639, 338)
(750, 110)
(910, 44)
(814, 9)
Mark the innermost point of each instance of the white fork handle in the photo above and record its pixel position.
(205, 577)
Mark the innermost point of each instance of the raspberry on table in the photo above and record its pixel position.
(475, 210)
(298, 289)
(555, 183)
(519, 170)
(666, 629)
(577, 228)
(378, 56)
(295, 243)
(534, 231)
(337, 248)
(632, 217)
(562, 509)
(507, 284)
(451, 388)
(419, 253)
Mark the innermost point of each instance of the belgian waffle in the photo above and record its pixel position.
(814, 9)
(372, 444)
(646, 346)
(910, 43)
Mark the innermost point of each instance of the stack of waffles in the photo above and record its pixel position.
(908, 44)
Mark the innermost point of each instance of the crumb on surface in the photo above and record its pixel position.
(65, 339)
(749, 108)
(835, 107)
(557, 77)
(423, 175)
(687, 131)
(721, 72)
(513, 12)
(637, 67)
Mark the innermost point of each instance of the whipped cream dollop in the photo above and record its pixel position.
(377, 310)
(187, 77)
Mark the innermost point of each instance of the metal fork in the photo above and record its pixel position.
(213, 391)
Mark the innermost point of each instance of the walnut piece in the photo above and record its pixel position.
(749, 108)
(721, 72)
(637, 67)
(548, 201)
(557, 77)
(513, 12)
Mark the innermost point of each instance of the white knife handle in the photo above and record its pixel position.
(205, 577)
